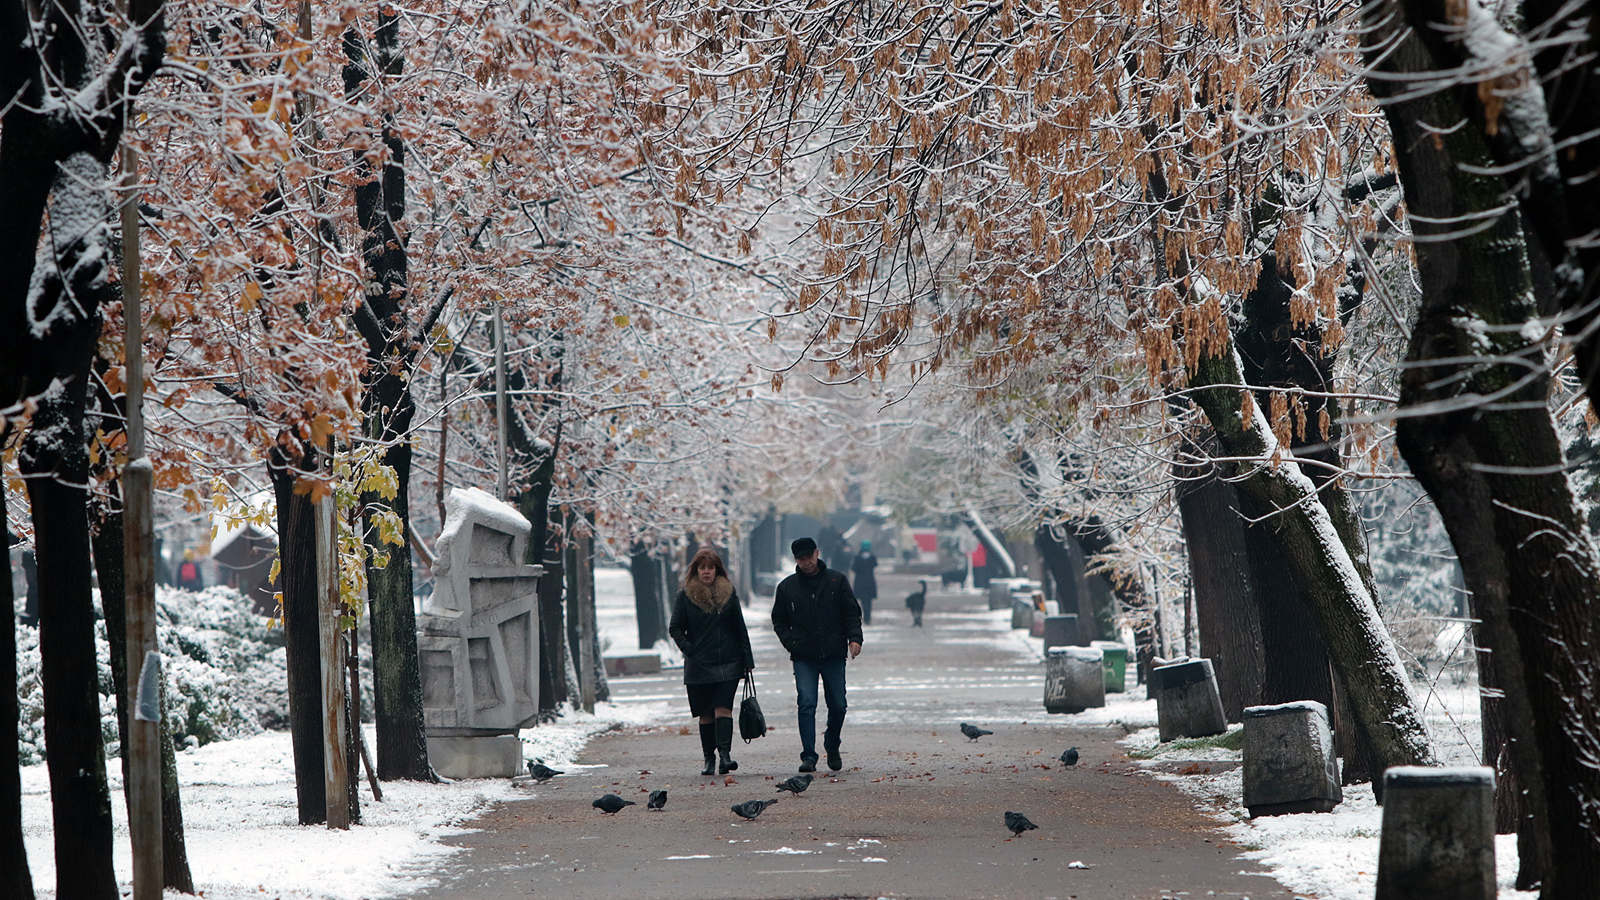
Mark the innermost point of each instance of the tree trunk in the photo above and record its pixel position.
(388, 409)
(646, 608)
(1357, 640)
(576, 569)
(297, 574)
(1482, 441)
(16, 880)
(554, 689)
(54, 461)
(1224, 591)
(1096, 539)
(1064, 570)
(534, 504)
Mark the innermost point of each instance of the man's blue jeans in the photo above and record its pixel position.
(806, 673)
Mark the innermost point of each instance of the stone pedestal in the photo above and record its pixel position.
(1061, 631)
(1438, 834)
(1021, 613)
(1187, 701)
(1289, 761)
(1072, 680)
(488, 756)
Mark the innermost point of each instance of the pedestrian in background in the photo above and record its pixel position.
(866, 585)
(708, 626)
(818, 620)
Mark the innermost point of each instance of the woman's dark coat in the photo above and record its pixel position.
(708, 626)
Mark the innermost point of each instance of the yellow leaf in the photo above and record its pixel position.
(622, 321)
(321, 429)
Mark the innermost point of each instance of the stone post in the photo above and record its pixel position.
(1438, 834)
(1001, 589)
(1289, 761)
(1021, 613)
(1061, 631)
(1187, 702)
(1072, 679)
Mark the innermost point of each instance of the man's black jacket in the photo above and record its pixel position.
(816, 617)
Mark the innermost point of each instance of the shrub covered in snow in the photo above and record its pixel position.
(224, 672)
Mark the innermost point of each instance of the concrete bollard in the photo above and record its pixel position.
(1289, 761)
(1061, 631)
(1187, 702)
(1438, 833)
(1000, 590)
(1115, 665)
(1021, 613)
(1072, 680)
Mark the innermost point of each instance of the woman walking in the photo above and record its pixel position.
(708, 626)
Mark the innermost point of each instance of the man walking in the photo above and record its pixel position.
(818, 620)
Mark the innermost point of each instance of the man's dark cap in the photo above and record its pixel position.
(803, 547)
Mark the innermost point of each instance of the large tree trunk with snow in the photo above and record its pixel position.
(388, 409)
(16, 880)
(54, 461)
(1481, 440)
(66, 105)
(1363, 653)
(297, 581)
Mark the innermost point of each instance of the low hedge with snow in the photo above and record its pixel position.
(225, 673)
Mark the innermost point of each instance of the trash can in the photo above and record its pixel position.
(1115, 663)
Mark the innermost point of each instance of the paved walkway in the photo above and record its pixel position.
(916, 812)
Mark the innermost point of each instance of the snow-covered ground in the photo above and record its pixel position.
(239, 803)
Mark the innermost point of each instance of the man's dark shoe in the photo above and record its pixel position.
(834, 762)
(808, 763)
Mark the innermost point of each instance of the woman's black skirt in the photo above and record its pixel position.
(706, 698)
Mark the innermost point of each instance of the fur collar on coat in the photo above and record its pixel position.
(709, 597)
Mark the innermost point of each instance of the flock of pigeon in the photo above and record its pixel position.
(611, 804)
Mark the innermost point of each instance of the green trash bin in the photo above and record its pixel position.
(1113, 664)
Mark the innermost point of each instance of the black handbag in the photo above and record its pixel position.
(752, 721)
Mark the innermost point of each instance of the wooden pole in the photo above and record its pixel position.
(143, 690)
(585, 558)
(335, 735)
(500, 405)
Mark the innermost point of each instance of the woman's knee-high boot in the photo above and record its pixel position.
(708, 744)
(725, 744)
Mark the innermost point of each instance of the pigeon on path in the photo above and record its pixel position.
(658, 800)
(973, 732)
(751, 808)
(1018, 823)
(610, 804)
(541, 772)
(795, 784)
(1069, 756)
